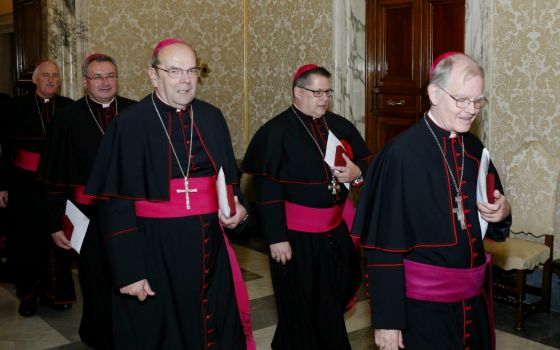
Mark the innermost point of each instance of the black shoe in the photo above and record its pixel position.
(61, 307)
(28, 307)
(47, 302)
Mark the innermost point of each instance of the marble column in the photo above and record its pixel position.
(67, 42)
(349, 48)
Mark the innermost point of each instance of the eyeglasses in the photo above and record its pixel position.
(319, 93)
(176, 73)
(100, 77)
(464, 102)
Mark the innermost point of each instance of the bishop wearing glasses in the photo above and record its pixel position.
(66, 161)
(300, 202)
(422, 225)
(179, 283)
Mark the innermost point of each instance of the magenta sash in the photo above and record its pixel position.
(313, 220)
(439, 284)
(447, 285)
(82, 198)
(242, 297)
(27, 160)
(203, 201)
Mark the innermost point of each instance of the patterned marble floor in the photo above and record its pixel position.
(55, 330)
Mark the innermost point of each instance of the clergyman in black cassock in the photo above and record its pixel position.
(314, 265)
(418, 219)
(41, 270)
(168, 254)
(66, 162)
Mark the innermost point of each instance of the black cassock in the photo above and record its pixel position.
(66, 161)
(40, 268)
(314, 288)
(184, 259)
(406, 212)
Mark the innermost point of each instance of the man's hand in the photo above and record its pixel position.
(60, 240)
(496, 212)
(347, 173)
(281, 252)
(239, 217)
(3, 199)
(389, 339)
(140, 289)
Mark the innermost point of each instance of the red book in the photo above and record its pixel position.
(231, 200)
(67, 227)
(338, 159)
(490, 187)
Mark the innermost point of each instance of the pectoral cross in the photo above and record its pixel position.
(459, 212)
(334, 187)
(186, 191)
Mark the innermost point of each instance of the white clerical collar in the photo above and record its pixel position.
(452, 134)
(45, 100)
(167, 104)
(105, 105)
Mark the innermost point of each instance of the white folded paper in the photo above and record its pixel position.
(221, 189)
(481, 196)
(80, 223)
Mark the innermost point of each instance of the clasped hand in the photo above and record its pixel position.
(347, 173)
(497, 211)
(239, 217)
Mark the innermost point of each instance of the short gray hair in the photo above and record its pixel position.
(442, 71)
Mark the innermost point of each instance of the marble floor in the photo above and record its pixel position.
(50, 329)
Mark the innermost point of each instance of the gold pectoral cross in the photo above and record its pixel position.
(459, 212)
(186, 191)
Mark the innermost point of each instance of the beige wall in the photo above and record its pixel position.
(251, 47)
(523, 69)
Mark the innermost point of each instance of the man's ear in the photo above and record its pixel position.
(297, 92)
(433, 94)
(153, 76)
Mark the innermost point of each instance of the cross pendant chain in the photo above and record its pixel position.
(334, 187)
(459, 211)
(186, 191)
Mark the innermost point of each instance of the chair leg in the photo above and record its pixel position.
(520, 296)
(547, 274)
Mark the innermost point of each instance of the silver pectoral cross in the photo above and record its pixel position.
(459, 212)
(334, 187)
(186, 191)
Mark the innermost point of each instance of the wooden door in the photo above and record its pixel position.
(402, 39)
(28, 42)
(444, 26)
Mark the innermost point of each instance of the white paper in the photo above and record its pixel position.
(481, 196)
(330, 153)
(80, 223)
(221, 189)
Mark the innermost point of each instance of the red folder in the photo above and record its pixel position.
(231, 200)
(490, 187)
(338, 159)
(67, 227)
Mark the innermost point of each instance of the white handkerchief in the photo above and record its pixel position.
(80, 223)
(481, 196)
(330, 153)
